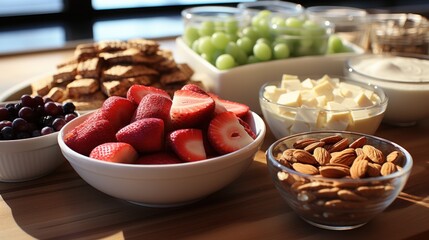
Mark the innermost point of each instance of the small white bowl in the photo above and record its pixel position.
(31, 158)
(408, 97)
(163, 185)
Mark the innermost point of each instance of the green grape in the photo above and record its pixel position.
(264, 13)
(263, 27)
(206, 46)
(241, 57)
(207, 28)
(225, 61)
(190, 35)
(293, 22)
(195, 46)
(219, 26)
(220, 40)
(252, 59)
(232, 37)
(313, 28)
(231, 26)
(281, 50)
(245, 44)
(232, 49)
(250, 32)
(278, 21)
(335, 44)
(263, 40)
(262, 51)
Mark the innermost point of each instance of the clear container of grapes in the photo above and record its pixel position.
(206, 20)
(350, 23)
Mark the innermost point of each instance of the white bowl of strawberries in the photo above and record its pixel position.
(156, 150)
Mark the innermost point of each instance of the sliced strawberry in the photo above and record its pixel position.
(194, 88)
(153, 106)
(88, 135)
(247, 128)
(226, 134)
(117, 152)
(158, 158)
(136, 92)
(239, 109)
(190, 109)
(118, 111)
(188, 144)
(145, 135)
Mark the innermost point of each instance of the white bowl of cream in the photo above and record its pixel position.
(404, 79)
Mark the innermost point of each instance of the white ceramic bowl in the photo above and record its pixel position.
(27, 159)
(163, 185)
(408, 98)
(242, 83)
(287, 120)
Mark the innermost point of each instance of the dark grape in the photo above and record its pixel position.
(46, 130)
(58, 123)
(70, 117)
(51, 108)
(36, 133)
(47, 99)
(20, 125)
(27, 101)
(22, 135)
(47, 121)
(7, 133)
(18, 106)
(26, 113)
(12, 111)
(38, 101)
(68, 107)
(4, 113)
(5, 123)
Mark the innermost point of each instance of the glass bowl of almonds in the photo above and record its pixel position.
(338, 180)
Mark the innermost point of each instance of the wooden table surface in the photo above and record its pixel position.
(62, 206)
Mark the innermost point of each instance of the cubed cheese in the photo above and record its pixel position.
(291, 99)
(338, 120)
(362, 100)
(291, 84)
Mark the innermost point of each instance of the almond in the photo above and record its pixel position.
(373, 169)
(312, 186)
(311, 147)
(374, 154)
(359, 151)
(395, 157)
(358, 168)
(338, 203)
(339, 146)
(370, 191)
(321, 155)
(387, 168)
(346, 157)
(348, 195)
(305, 168)
(287, 155)
(333, 171)
(358, 143)
(327, 192)
(303, 156)
(331, 139)
(302, 143)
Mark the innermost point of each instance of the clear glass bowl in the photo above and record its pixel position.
(282, 8)
(323, 201)
(350, 23)
(286, 120)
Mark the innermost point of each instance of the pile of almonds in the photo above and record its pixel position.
(332, 196)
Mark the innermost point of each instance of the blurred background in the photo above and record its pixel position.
(41, 25)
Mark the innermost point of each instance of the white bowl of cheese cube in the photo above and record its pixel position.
(302, 104)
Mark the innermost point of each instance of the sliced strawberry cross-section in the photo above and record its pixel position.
(226, 134)
(117, 152)
(188, 144)
(239, 109)
(190, 109)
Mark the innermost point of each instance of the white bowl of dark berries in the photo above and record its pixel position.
(28, 137)
(155, 150)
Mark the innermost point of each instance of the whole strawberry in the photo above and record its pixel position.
(118, 111)
(145, 135)
(117, 152)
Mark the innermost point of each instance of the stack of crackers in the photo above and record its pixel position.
(109, 68)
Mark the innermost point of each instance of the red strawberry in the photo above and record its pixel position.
(153, 106)
(158, 158)
(190, 109)
(194, 88)
(136, 92)
(239, 109)
(188, 144)
(117, 152)
(118, 111)
(88, 135)
(247, 128)
(145, 135)
(226, 134)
